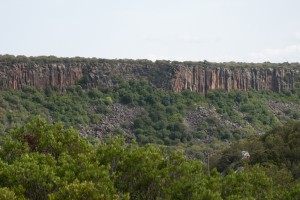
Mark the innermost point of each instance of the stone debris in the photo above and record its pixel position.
(285, 110)
(245, 155)
(121, 117)
(200, 114)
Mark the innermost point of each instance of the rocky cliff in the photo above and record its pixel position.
(197, 77)
(204, 79)
(62, 75)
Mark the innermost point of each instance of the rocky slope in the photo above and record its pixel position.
(120, 118)
(198, 77)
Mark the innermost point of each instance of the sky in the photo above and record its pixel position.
(182, 30)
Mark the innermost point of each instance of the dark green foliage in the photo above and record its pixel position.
(278, 150)
(11, 59)
(39, 159)
(283, 146)
(63, 165)
(45, 161)
(252, 104)
(163, 118)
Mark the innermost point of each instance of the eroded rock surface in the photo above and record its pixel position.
(200, 79)
(167, 75)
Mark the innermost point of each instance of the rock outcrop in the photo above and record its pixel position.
(61, 75)
(167, 75)
(21, 75)
(200, 79)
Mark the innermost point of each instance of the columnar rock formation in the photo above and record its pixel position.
(175, 76)
(62, 75)
(19, 76)
(202, 80)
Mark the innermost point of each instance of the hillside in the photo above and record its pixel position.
(200, 114)
(135, 99)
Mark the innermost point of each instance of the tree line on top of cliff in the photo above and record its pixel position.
(11, 59)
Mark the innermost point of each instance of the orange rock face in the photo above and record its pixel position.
(174, 76)
(20, 75)
(201, 79)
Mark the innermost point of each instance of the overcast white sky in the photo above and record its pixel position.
(213, 30)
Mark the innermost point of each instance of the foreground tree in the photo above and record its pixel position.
(45, 161)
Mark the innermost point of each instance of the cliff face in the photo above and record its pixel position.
(174, 76)
(200, 79)
(20, 75)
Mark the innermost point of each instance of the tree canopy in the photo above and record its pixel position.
(46, 161)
